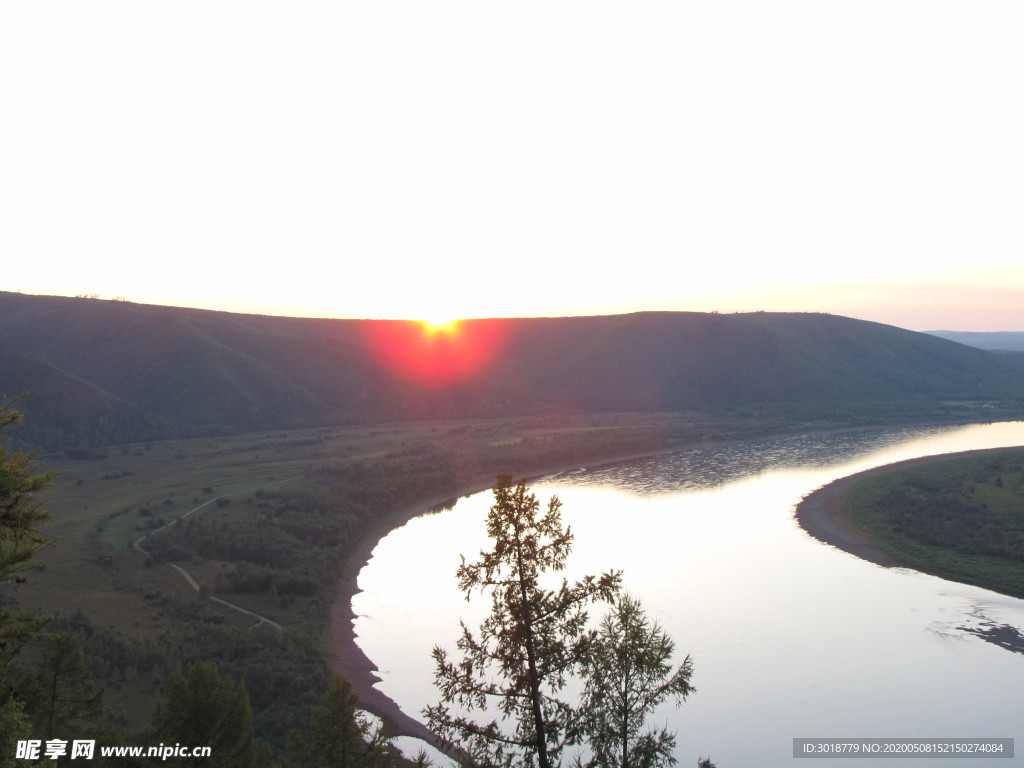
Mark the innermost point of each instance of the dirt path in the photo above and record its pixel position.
(137, 545)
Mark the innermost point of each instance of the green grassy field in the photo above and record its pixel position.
(960, 518)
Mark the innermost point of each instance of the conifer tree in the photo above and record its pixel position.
(340, 735)
(628, 673)
(21, 514)
(14, 726)
(62, 690)
(206, 709)
(529, 645)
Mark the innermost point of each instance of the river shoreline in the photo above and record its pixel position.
(349, 660)
(818, 514)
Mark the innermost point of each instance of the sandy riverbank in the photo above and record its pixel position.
(349, 659)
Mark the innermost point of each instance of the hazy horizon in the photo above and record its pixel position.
(457, 160)
(282, 312)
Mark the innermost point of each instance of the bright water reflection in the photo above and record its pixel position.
(790, 637)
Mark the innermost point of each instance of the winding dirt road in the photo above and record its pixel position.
(137, 545)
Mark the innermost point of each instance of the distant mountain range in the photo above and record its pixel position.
(1010, 341)
(98, 371)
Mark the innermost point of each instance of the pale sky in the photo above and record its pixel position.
(457, 159)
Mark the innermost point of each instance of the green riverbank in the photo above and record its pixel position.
(959, 517)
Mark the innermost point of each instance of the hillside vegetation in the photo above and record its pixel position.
(961, 518)
(124, 371)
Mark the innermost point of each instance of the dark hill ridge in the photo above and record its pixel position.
(219, 370)
(689, 360)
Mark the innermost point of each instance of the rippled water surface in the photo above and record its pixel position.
(789, 637)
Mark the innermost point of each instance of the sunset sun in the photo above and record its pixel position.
(437, 352)
(434, 326)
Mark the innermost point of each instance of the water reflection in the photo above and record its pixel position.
(1004, 636)
(711, 466)
(790, 638)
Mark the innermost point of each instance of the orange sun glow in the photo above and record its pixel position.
(436, 353)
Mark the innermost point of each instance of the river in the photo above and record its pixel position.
(790, 638)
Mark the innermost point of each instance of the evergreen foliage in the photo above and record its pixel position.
(60, 690)
(628, 674)
(340, 735)
(206, 709)
(527, 648)
(21, 514)
(14, 726)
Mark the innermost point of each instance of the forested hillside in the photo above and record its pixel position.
(99, 372)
